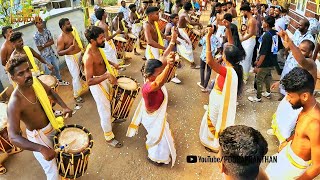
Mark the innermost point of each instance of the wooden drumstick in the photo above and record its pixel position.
(64, 147)
(4, 91)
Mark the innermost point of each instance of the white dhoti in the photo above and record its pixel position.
(136, 29)
(110, 53)
(284, 120)
(185, 49)
(289, 64)
(248, 46)
(100, 93)
(289, 166)
(220, 33)
(160, 143)
(73, 66)
(44, 137)
(152, 52)
(221, 111)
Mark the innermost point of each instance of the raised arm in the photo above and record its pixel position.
(14, 116)
(228, 32)
(172, 44)
(210, 59)
(149, 39)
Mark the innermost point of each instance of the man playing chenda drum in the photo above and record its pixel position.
(100, 75)
(29, 103)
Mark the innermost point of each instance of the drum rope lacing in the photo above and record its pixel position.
(27, 98)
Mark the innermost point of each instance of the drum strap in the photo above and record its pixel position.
(111, 70)
(46, 105)
(35, 67)
(160, 40)
(125, 29)
(77, 37)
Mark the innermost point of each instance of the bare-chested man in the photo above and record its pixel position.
(143, 8)
(7, 47)
(299, 157)
(119, 23)
(109, 49)
(248, 40)
(20, 49)
(231, 10)
(69, 48)
(220, 34)
(185, 48)
(177, 7)
(136, 21)
(99, 77)
(27, 104)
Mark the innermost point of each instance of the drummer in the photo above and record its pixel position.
(99, 77)
(29, 103)
(19, 48)
(135, 20)
(118, 22)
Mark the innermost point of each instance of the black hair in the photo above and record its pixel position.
(174, 15)
(99, 13)
(299, 81)
(218, 4)
(285, 11)
(234, 56)
(93, 32)
(229, 2)
(131, 6)
(4, 30)
(178, 1)
(223, 4)
(245, 7)
(15, 61)
(306, 22)
(264, 5)
(15, 36)
(246, 145)
(187, 6)
(149, 67)
(228, 17)
(151, 9)
(310, 44)
(270, 21)
(62, 21)
(122, 2)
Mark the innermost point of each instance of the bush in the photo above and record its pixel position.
(110, 2)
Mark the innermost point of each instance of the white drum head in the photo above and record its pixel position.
(127, 83)
(3, 116)
(76, 139)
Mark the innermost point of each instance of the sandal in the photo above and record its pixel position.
(3, 170)
(79, 100)
(63, 83)
(57, 113)
(211, 150)
(119, 120)
(76, 108)
(155, 163)
(115, 143)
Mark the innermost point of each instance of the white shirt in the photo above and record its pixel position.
(280, 23)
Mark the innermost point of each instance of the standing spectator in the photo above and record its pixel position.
(264, 8)
(93, 18)
(267, 58)
(44, 41)
(126, 12)
(280, 21)
(215, 49)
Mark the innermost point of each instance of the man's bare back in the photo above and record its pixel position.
(6, 51)
(66, 41)
(307, 121)
(252, 26)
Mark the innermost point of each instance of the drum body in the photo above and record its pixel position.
(166, 16)
(162, 24)
(124, 94)
(120, 44)
(5, 144)
(50, 81)
(195, 37)
(73, 160)
(195, 19)
(143, 40)
(172, 70)
(131, 42)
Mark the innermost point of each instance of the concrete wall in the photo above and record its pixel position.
(76, 18)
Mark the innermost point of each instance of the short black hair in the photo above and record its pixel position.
(178, 1)
(245, 8)
(187, 6)
(241, 142)
(150, 66)
(310, 44)
(122, 2)
(218, 4)
(229, 2)
(151, 9)
(264, 5)
(4, 30)
(270, 21)
(228, 17)
(93, 32)
(306, 22)
(299, 81)
(131, 6)
(174, 15)
(15, 36)
(99, 13)
(62, 21)
(15, 61)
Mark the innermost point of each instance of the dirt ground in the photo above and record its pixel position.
(185, 111)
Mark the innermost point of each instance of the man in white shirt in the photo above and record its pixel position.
(126, 12)
(280, 21)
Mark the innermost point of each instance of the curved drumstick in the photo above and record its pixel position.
(4, 91)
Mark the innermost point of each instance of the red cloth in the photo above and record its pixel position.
(152, 99)
(221, 77)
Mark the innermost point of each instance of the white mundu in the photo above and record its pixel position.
(160, 143)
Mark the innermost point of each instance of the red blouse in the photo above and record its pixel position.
(152, 99)
(221, 78)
